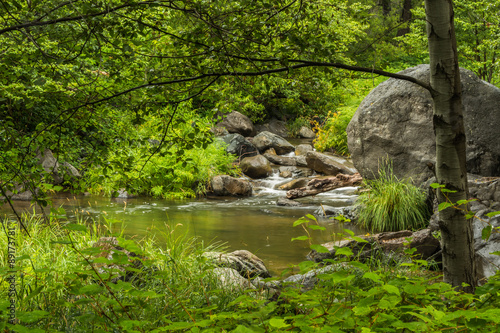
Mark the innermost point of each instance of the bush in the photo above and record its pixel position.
(391, 204)
(333, 134)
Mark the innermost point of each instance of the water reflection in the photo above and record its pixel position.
(255, 224)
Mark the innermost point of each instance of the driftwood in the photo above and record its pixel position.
(316, 186)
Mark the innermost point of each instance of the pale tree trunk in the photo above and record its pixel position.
(456, 232)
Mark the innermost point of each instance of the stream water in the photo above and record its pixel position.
(256, 223)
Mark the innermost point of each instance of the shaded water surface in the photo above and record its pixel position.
(255, 224)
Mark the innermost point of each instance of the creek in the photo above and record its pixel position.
(254, 223)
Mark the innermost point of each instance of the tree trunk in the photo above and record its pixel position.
(405, 18)
(456, 232)
(386, 7)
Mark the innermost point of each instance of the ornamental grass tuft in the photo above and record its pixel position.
(392, 204)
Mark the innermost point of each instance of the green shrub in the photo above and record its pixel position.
(333, 135)
(391, 204)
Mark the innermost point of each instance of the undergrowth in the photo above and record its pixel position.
(59, 291)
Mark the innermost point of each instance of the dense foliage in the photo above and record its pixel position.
(176, 291)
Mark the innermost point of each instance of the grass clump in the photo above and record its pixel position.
(392, 204)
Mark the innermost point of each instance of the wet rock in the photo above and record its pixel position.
(302, 149)
(284, 202)
(348, 212)
(274, 126)
(256, 167)
(286, 174)
(281, 160)
(229, 279)
(301, 161)
(236, 122)
(228, 186)
(386, 244)
(123, 194)
(306, 133)
(328, 165)
(266, 140)
(244, 262)
(270, 151)
(238, 145)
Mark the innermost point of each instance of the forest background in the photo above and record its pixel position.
(128, 91)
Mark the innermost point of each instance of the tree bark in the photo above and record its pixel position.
(456, 232)
(405, 17)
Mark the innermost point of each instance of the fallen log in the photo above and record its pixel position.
(321, 185)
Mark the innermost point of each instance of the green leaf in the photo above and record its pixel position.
(300, 221)
(444, 205)
(316, 227)
(300, 238)
(278, 323)
(359, 239)
(319, 248)
(391, 289)
(75, 227)
(90, 289)
(372, 276)
(492, 214)
(436, 185)
(343, 251)
(309, 216)
(486, 233)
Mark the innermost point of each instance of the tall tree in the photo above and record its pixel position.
(456, 231)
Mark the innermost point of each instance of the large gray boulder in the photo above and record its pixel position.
(266, 140)
(395, 121)
(238, 145)
(256, 167)
(236, 122)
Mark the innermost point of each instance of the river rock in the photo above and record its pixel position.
(256, 167)
(229, 279)
(395, 121)
(303, 149)
(284, 202)
(328, 165)
(386, 244)
(238, 145)
(244, 262)
(348, 212)
(308, 280)
(236, 122)
(224, 185)
(57, 172)
(274, 126)
(281, 160)
(266, 140)
(110, 250)
(306, 133)
(286, 174)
